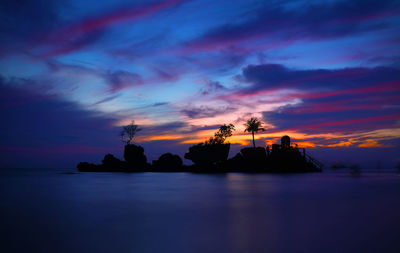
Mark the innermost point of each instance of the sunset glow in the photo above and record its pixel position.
(326, 74)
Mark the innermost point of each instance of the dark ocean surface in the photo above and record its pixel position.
(61, 211)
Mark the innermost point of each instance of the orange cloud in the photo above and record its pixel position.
(160, 137)
(372, 144)
(306, 144)
(303, 140)
(340, 144)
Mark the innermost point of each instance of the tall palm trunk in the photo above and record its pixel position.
(254, 143)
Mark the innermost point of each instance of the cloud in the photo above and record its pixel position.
(372, 144)
(206, 112)
(80, 34)
(308, 22)
(159, 104)
(353, 122)
(23, 19)
(34, 130)
(125, 14)
(168, 74)
(322, 120)
(115, 81)
(212, 87)
(70, 45)
(140, 48)
(120, 80)
(276, 76)
(107, 99)
(319, 100)
(40, 25)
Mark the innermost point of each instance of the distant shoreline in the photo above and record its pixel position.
(193, 169)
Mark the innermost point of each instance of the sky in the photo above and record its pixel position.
(326, 73)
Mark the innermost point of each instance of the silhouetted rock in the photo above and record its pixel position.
(235, 163)
(110, 162)
(248, 159)
(254, 157)
(206, 155)
(282, 158)
(86, 167)
(288, 160)
(168, 161)
(135, 157)
(211, 157)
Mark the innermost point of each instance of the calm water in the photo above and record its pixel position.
(50, 211)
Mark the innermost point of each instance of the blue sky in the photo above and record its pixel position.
(73, 72)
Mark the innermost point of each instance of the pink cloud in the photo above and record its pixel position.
(70, 38)
(352, 121)
(391, 86)
(69, 149)
(355, 103)
(369, 16)
(119, 16)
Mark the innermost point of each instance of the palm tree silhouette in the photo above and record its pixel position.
(253, 125)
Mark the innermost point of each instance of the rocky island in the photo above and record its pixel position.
(211, 156)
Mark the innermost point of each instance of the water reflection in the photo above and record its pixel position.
(47, 211)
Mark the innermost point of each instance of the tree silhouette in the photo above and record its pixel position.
(253, 125)
(213, 151)
(220, 136)
(128, 132)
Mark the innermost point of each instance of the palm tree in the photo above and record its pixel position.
(253, 125)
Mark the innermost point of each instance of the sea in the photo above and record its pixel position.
(55, 210)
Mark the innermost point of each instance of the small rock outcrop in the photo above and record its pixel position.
(168, 161)
(204, 155)
(135, 157)
(86, 167)
(110, 162)
(254, 157)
